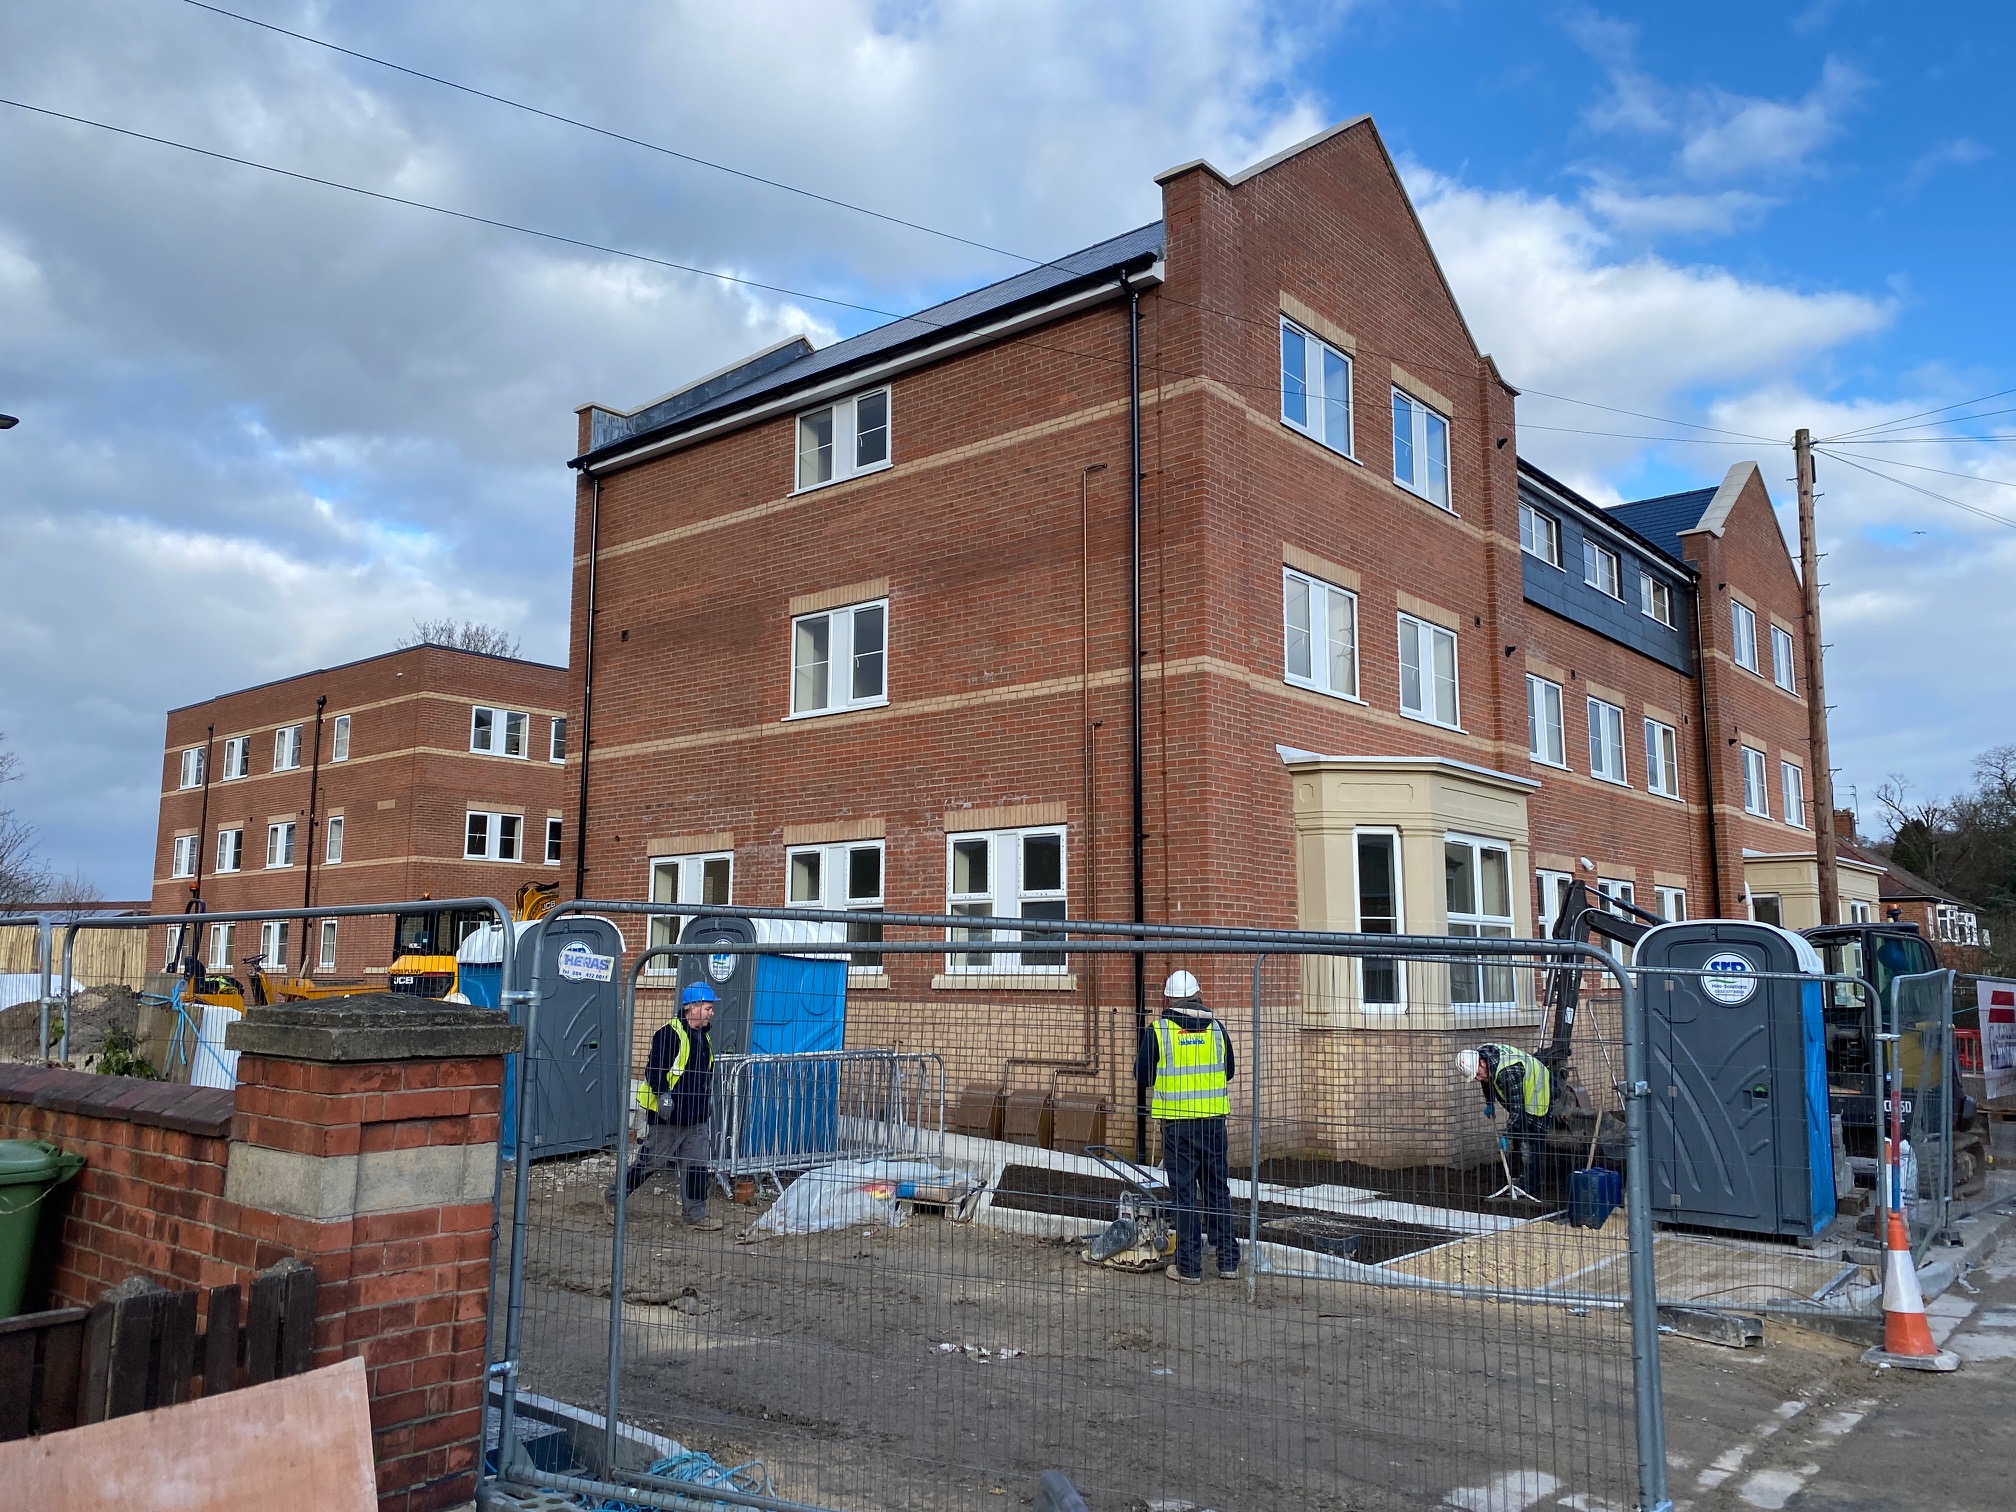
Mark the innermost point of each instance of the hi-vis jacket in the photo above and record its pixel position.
(1517, 1080)
(1193, 1069)
(678, 1077)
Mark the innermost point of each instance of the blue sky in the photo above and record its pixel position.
(266, 425)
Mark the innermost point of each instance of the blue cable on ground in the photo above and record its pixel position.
(700, 1469)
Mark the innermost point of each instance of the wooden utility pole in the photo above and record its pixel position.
(1822, 775)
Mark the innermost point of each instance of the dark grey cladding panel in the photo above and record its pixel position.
(1562, 591)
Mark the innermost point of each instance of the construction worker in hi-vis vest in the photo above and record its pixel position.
(677, 1098)
(1184, 1065)
(1524, 1085)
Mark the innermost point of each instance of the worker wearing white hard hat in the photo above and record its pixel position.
(1522, 1084)
(1183, 1066)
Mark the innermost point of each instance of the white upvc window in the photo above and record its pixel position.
(185, 856)
(1756, 800)
(1743, 633)
(1792, 788)
(1319, 634)
(1781, 660)
(287, 748)
(191, 775)
(1602, 571)
(325, 955)
(1662, 759)
(174, 959)
(1427, 672)
(339, 738)
(1539, 535)
(1477, 889)
(498, 732)
(1859, 911)
(842, 876)
(280, 845)
(230, 850)
(237, 758)
(491, 836)
(1615, 893)
(273, 944)
(1606, 741)
(844, 439)
(332, 849)
(1672, 903)
(1553, 888)
(1767, 908)
(840, 659)
(1656, 599)
(1315, 388)
(1009, 874)
(220, 947)
(1382, 980)
(556, 739)
(553, 836)
(1546, 736)
(706, 878)
(1420, 449)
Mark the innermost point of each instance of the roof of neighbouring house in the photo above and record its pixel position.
(1661, 520)
(1897, 881)
(794, 364)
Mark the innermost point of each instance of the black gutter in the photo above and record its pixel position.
(1708, 739)
(203, 817)
(587, 689)
(1134, 680)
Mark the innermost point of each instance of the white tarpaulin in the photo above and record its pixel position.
(852, 1192)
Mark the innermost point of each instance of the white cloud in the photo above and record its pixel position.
(1639, 213)
(1728, 135)
(1960, 152)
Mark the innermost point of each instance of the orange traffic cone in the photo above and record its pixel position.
(1907, 1336)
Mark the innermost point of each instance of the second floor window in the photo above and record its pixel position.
(1792, 788)
(280, 844)
(840, 440)
(1601, 570)
(192, 768)
(493, 837)
(839, 659)
(339, 738)
(237, 758)
(1420, 449)
(1756, 800)
(1545, 739)
(332, 851)
(1319, 634)
(230, 849)
(1539, 535)
(1656, 599)
(1427, 671)
(1606, 741)
(287, 748)
(498, 732)
(1743, 635)
(1781, 660)
(1662, 759)
(185, 856)
(1315, 388)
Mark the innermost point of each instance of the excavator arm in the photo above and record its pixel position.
(1584, 914)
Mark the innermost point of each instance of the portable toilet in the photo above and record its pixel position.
(1740, 1137)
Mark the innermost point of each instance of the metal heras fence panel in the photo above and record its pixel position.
(934, 1327)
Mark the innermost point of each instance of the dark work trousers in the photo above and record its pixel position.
(683, 1148)
(1526, 1143)
(1193, 1156)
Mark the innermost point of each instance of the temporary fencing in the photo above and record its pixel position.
(779, 1114)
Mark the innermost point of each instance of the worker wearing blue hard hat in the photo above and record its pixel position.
(677, 1096)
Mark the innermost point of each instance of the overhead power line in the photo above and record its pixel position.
(1972, 509)
(1946, 472)
(1641, 415)
(1900, 422)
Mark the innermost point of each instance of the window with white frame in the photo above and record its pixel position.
(339, 738)
(1781, 659)
(220, 947)
(332, 848)
(1767, 908)
(1546, 736)
(1756, 800)
(1420, 449)
(1553, 888)
(844, 439)
(556, 740)
(273, 944)
(1859, 911)
(1315, 388)
(837, 877)
(840, 659)
(498, 732)
(1672, 903)
(1477, 888)
(1319, 634)
(174, 958)
(287, 748)
(1427, 671)
(1743, 632)
(1382, 980)
(1792, 789)
(706, 878)
(1662, 759)
(1656, 599)
(491, 836)
(1946, 923)
(1539, 535)
(1601, 570)
(191, 768)
(1614, 894)
(185, 856)
(325, 954)
(1009, 874)
(553, 831)
(1606, 741)
(230, 850)
(280, 844)
(237, 758)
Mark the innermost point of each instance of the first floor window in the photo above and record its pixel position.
(493, 837)
(1539, 535)
(230, 849)
(1553, 887)
(1545, 738)
(552, 842)
(332, 852)
(1315, 388)
(1755, 799)
(1743, 634)
(237, 758)
(1672, 903)
(1781, 660)
(1379, 912)
(704, 879)
(273, 944)
(1477, 887)
(1007, 874)
(1319, 634)
(1420, 449)
(556, 740)
(220, 947)
(1606, 741)
(1662, 759)
(287, 748)
(339, 738)
(1765, 909)
(1427, 671)
(1792, 788)
(498, 732)
(280, 844)
(325, 956)
(840, 877)
(839, 659)
(192, 768)
(185, 856)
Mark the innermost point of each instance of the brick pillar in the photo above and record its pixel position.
(365, 1142)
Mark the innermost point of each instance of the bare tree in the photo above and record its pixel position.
(73, 897)
(462, 635)
(23, 877)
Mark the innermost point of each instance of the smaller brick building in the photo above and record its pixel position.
(425, 772)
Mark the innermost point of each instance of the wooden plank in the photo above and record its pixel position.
(36, 1322)
(262, 1326)
(176, 1360)
(298, 1445)
(136, 1327)
(220, 1341)
(62, 1372)
(297, 1320)
(17, 1383)
(97, 1362)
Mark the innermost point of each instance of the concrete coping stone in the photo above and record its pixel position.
(377, 1026)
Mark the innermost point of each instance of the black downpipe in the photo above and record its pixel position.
(587, 691)
(1134, 687)
(194, 903)
(1707, 754)
(314, 793)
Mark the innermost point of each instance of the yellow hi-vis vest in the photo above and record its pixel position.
(1539, 1088)
(1190, 1079)
(646, 1098)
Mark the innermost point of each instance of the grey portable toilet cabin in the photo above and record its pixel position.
(771, 1004)
(1740, 1138)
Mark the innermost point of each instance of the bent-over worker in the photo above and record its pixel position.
(1184, 1062)
(677, 1098)
(1524, 1085)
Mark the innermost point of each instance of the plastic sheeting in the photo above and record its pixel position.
(851, 1193)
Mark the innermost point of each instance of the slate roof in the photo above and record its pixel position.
(791, 366)
(1664, 546)
(1896, 881)
(1662, 519)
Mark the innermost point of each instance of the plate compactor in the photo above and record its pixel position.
(1143, 1236)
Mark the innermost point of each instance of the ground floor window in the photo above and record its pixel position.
(1008, 874)
(273, 944)
(1553, 893)
(1672, 903)
(840, 877)
(1381, 979)
(220, 947)
(707, 879)
(325, 959)
(1477, 884)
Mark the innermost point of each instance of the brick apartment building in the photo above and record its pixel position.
(425, 772)
(854, 627)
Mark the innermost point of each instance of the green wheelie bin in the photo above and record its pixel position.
(29, 1171)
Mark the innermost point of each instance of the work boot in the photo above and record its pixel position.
(1227, 1272)
(1180, 1279)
